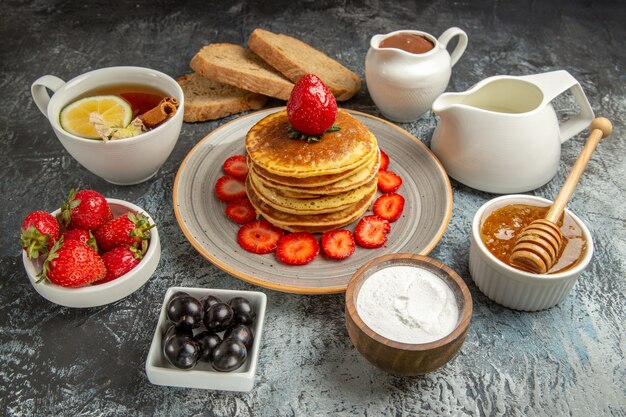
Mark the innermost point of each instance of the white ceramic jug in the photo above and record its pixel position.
(403, 84)
(502, 135)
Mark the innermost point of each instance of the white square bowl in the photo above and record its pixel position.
(161, 372)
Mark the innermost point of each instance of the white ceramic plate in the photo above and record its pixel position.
(161, 372)
(200, 214)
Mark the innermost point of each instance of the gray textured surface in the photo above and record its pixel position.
(568, 360)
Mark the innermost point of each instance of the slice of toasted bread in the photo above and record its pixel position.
(207, 99)
(235, 65)
(294, 58)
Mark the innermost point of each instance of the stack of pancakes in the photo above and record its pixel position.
(312, 186)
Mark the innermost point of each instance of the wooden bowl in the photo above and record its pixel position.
(407, 359)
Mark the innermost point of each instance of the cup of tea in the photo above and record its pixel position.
(123, 161)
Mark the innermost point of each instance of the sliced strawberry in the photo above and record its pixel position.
(259, 236)
(230, 189)
(389, 206)
(338, 244)
(371, 231)
(388, 181)
(297, 248)
(241, 211)
(384, 161)
(236, 166)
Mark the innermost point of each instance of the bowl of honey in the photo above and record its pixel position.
(120, 123)
(494, 230)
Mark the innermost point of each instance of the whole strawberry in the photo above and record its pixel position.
(39, 232)
(81, 235)
(119, 261)
(128, 229)
(311, 108)
(85, 209)
(73, 264)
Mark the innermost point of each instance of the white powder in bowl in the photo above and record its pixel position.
(408, 304)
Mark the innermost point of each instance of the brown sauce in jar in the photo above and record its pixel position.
(408, 42)
(500, 229)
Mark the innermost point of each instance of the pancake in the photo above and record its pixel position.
(269, 146)
(316, 181)
(324, 204)
(295, 194)
(359, 177)
(316, 223)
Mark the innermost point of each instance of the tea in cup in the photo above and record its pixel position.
(147, 129)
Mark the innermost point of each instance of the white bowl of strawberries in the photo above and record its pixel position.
(100, 250)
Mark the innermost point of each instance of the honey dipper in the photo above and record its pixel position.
(537, 246)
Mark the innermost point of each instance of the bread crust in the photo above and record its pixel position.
(209, 100)
(232, 64)
(294, 59)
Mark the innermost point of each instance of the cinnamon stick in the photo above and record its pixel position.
(171, 100)
(163, 111)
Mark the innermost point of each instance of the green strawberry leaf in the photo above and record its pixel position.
(68, 205)
(35, 243)
(294, 134)
(43, 275)
(142, 226)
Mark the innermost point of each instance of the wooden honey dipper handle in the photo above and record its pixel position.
(600, 128)
(537, 246)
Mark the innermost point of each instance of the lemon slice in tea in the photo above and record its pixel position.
(115, 111)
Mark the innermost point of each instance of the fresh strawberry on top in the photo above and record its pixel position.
(338, 244)
(85, 209)
(83, 236)
(297, 248)
(118, 261)
(128, 229)
(72, 264)
(241, 211)
(39, 232)
(371, 231)
(230, 189)
(311, 108)
(389, 206)
(388, 181)
(236, 166)
(384, 161)
(259, 236)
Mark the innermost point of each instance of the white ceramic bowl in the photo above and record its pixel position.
(511, 287)
(125, 161)
(100, 294)
(161, 372)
